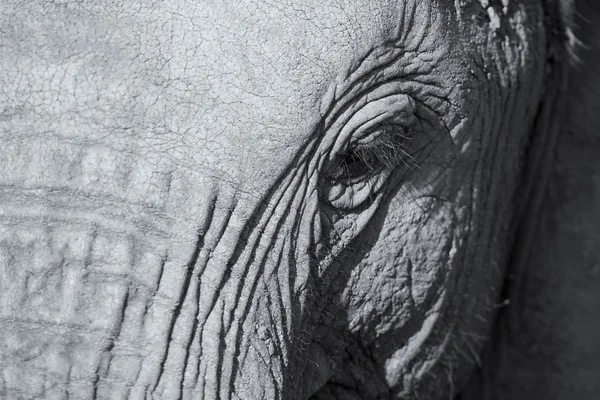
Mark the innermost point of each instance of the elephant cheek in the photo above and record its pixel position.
(94, 304)
(416, 301)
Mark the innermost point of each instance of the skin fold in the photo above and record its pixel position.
(266, 200)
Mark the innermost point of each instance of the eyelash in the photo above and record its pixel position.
(388, 150)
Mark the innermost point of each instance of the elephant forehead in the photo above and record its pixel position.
(258, 70)
(204, 81)
(283, 51)
(208, 85)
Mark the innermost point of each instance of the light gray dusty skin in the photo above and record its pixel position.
(262, 200)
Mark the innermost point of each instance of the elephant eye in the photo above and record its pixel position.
(359, 171)
(373, 139)
(388, 148)
(354, 165)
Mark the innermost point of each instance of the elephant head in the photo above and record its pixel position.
(263, 200)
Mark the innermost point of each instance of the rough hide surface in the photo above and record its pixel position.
(277, 200)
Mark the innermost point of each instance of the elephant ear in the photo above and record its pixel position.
(545, 344)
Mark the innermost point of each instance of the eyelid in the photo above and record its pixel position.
(396, 109)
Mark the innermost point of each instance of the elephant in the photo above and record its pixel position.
(296, 199)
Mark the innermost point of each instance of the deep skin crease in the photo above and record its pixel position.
(173, 222)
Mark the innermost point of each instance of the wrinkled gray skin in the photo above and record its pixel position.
(183, 214)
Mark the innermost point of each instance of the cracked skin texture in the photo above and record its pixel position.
(170, 225)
